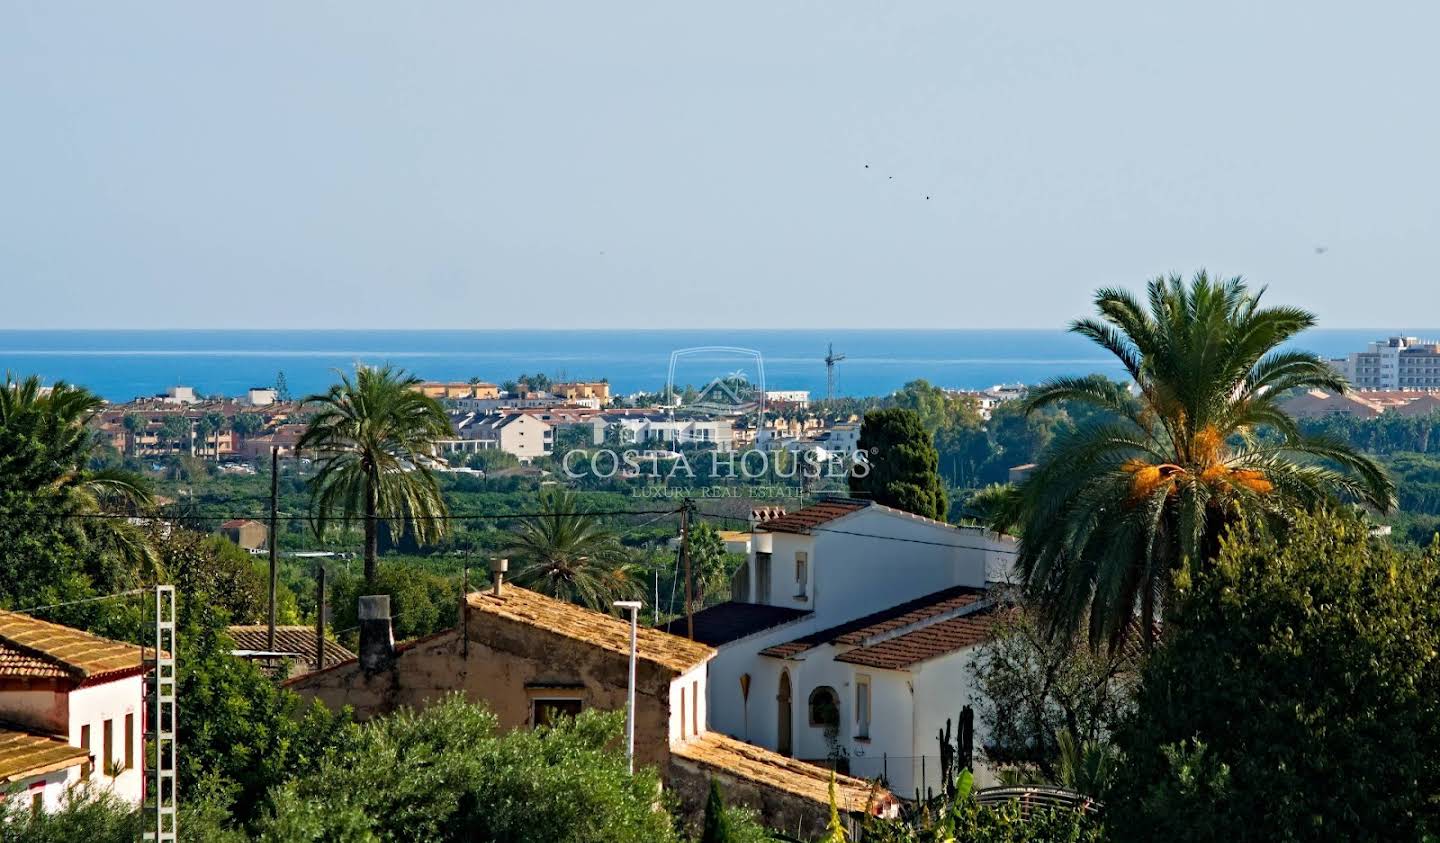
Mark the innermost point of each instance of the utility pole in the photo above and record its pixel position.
(685, 556)
(274, 537)
(319, 618)
(633, 607)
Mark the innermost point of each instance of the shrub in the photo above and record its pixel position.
(446, 774)
(1296, 697)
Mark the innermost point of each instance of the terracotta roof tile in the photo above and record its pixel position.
(771, 769)
(24, 754)
(926, 643)
(814, 515)
(855, 632)
(609, 633)
(288, 639)
(731, 621)
(34, 648)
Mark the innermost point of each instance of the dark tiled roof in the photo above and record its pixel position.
(732, 621)
(927, 642)
(886, 620)
(288, 639)
(24, 754)
(814, 515)
(34, 648)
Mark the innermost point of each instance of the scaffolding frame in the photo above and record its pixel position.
(161, 800)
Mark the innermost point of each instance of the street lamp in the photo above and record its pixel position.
(633, 607)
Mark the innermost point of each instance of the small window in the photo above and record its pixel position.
(862, 706)
(762, 578)
(129, 741)
(802, 573)
(682, 714)
(825, 707)
(695, 707)
(549, 712)
(107, 744)
(85, 744)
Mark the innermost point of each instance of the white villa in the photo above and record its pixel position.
(849, 638)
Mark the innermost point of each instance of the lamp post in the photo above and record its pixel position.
(633, 607)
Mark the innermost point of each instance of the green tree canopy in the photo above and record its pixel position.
(904, 466)
(448, 774)
(570, 554)
(1297, 698)
(372, 436)
(1118, 504)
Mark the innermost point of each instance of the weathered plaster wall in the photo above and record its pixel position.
(504, 664)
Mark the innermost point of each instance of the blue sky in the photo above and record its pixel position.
(469, 165)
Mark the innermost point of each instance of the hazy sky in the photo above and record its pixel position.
(616, 164)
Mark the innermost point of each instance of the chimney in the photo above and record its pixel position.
(498, 567)
(377, 640)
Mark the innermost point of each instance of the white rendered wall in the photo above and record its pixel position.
(92, 705)
(687, 693)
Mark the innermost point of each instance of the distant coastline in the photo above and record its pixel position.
(122, 364)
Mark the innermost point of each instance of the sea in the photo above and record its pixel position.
(120, 365)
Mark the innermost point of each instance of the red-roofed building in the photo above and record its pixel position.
(72, 708)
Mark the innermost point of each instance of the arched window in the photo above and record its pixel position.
(825, 707)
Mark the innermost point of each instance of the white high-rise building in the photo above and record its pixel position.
(1395, 363)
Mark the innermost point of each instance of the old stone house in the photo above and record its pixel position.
(531, 658)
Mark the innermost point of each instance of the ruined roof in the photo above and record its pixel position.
(609, 633)
(773, 770)
(288, 639)
(32, 648)
(24, 754)
(855, 632)
(814, 515)
(927, 642)
(731, 621)
(237, 523)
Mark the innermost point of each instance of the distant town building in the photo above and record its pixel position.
(797, 398)
(1394, 363)
(245, 533)
(71, 711)
(180, 395)
(1317, 403)
(986, 400)
(523, 435)
(458, 390)
(260, 396)
(580, 390)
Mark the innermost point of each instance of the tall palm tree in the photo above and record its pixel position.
(372, 436)
(568, 554)
(218, 423)
(1198, 442)
(46, 450)
(134, 425)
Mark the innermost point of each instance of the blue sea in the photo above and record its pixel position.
(120, 365)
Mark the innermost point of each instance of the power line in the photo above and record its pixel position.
(34, 609)
(475, 516)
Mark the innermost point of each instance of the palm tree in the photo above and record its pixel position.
(218, 423)
(46, 450)
(134, 424)
(568, 554)
(373, 436)
(1119, 505)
